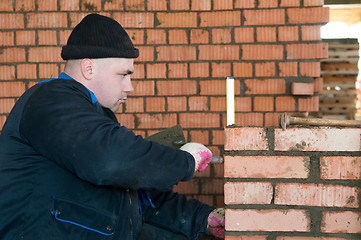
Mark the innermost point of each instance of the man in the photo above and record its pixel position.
(69, 170)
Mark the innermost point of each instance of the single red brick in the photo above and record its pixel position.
(285, 104)
(177, 37)
(263, 104)
(302, 88)
(176, 104)
(287, 69)
(134, 5)
(146, 53)
(289, 3)
(266, 34)
(247, 119)
(264, 17)
(199, 120)
(308, 15)
(6, 6)
(220, 18)
(264, 220)
(161, 120)
(63, 36)
(341, 222)
(267, 3)
(47, 5)
(201, 5)
(310, 3)
(179, 87)
(198, 104)
(6, 104)
(47, 37)
(11, 21)
(117, 5)
(45, 54)
(156, 36)
(221, 69)
(190, 187)
(155, 104)
(222, 4)
(307, 51)
(48, 71)
(137, 35)
(143, 88)
(177, 19)
(318, 84)
(199, 69)
(11, 55)
(26, 71)
(247, 138)
(248, 193)
(12, 89)
(211, 186)
(244, 34)
(47, 20)
(242, 69)
(308, 104)
(177, 70)
(176, 53)
(218, 52)
(71, 5)
(288, 34)
(139, 72)
(265, 69)
(134, 105)
(135, 19)
(156, 70)
(199, 36)
(311, 32)
(217, 138)
(244, 4)
(271, 119)
(321, 195)
(25, 37)
(200, 136)
(216, 87)
(7, 72)
(91, 5)
(262, 52)
(218, 170)
(221, 35)
(265, 166)
(340, 167)
(179, 5)
(7, 38)
(24, 5)
(265, 86)
(310, 69)
(317, 139)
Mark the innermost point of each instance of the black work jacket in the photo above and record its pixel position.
(69, 170)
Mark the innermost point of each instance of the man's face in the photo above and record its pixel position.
(112, 81)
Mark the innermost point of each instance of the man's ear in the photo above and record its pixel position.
(87, 68)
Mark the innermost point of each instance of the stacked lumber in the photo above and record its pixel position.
(339, 71)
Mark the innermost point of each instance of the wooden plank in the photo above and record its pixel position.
(345, 60)
(336, 66)
(327, 79)
(342, 85)
(341, 71)
(338, 53)
(349, 92)
(337, 100)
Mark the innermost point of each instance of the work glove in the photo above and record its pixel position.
(201, 154)
(216, 223)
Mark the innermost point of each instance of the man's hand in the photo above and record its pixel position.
(202, 155)
(216, 223)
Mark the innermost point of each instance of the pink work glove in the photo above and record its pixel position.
(216, 223)
(201, 154)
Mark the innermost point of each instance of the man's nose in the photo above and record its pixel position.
(129, 86)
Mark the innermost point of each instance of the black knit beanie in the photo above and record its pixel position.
(97, 36)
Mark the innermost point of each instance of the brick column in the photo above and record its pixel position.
(299, 183)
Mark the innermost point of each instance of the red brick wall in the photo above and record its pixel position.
(187, 48)
(299, 183)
